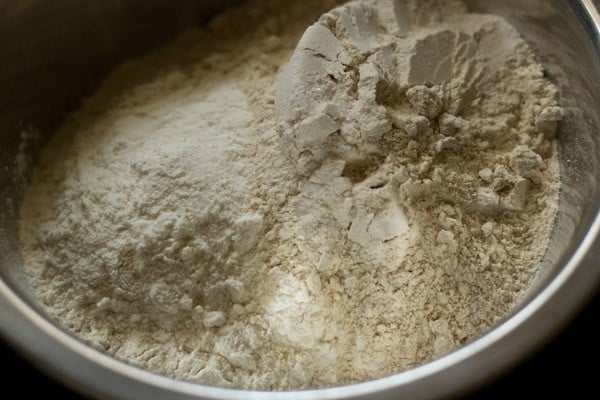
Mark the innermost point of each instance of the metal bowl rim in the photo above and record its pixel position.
(91, 371)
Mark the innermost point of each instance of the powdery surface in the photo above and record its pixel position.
(394, 207)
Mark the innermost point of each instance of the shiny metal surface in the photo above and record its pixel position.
(55, 53)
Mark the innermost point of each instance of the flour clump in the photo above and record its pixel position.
(262, 208)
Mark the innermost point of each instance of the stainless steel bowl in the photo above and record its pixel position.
(54, 53)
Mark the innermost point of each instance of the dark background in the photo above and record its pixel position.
(566, 363)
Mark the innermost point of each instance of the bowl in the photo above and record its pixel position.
(55, 53)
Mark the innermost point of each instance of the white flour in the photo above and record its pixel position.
(404, 214)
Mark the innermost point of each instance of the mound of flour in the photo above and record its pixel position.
(218, 214)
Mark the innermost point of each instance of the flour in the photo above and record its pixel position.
(218, 214)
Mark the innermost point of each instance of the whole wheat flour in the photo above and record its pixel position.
(217, 214)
